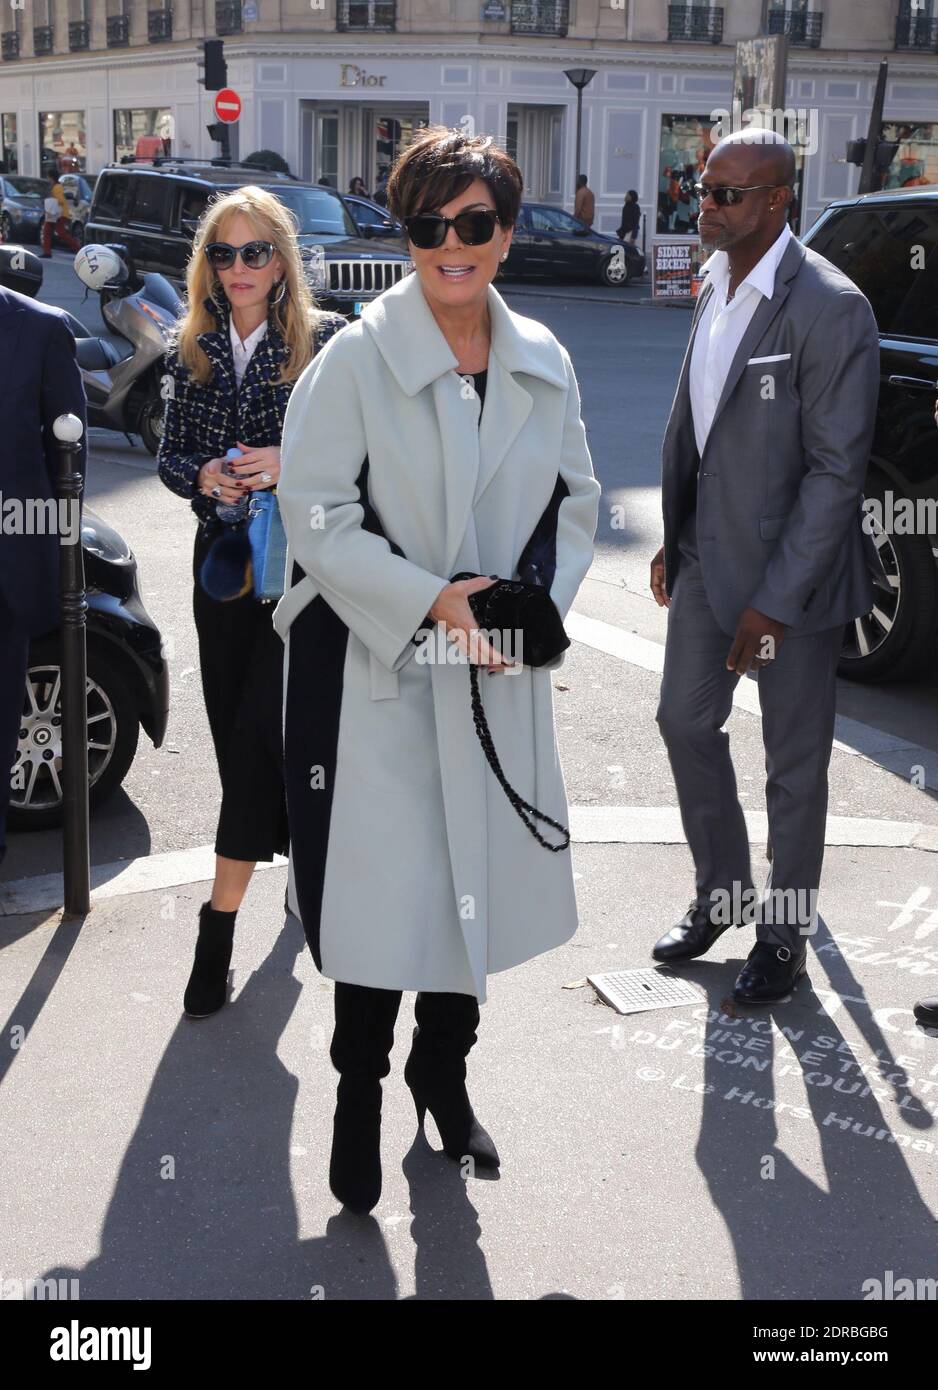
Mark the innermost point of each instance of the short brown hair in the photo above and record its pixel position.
(439, 164)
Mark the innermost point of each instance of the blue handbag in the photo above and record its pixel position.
(268, 544)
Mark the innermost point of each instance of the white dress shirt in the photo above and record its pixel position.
(721, 328)
(241, 352)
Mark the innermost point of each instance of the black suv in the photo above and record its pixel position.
(888, 244)
(154, 209)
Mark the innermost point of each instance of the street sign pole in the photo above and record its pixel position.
(869, 178)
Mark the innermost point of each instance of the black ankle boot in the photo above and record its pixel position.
(360, 1052)
(436, 1074)
(207, 990)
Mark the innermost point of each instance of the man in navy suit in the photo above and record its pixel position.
(39, 380)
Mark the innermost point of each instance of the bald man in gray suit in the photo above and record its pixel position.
(764, 558)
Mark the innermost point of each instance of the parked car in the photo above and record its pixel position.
(128, 679)
(873, 239)
(550, 243)
(78, 189)
(128, 687)
(153, 210)
(371, 218)
(21, 207)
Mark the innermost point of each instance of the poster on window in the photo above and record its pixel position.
(675, 267)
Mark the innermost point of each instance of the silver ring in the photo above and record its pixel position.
(216, 491)
(265, 477)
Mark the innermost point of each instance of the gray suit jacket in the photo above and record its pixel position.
(780, 486)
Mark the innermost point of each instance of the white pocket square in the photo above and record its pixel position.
(779, 357)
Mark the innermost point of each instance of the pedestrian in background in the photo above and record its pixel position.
(449, 439)
(56, 216)
(39, 380)
(584, 204)
(631, 219)
(249, 330)
(357, 187)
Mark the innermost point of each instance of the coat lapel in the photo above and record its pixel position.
(417, 354)
(760, 323)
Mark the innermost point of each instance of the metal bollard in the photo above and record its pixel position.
(73, 608)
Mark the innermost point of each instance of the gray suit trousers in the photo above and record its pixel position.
(797, 697)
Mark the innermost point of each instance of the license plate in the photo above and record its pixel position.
(359, 305)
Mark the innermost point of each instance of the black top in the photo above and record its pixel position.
(478, 381)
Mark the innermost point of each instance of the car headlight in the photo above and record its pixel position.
(314, 263)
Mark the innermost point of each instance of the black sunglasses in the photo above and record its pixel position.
(474, 228)
(730, 196)
(254, 254)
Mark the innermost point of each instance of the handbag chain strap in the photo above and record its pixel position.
(521, 806)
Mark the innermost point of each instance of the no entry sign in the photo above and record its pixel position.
(227, 105)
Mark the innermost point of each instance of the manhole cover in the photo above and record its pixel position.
(634, 991)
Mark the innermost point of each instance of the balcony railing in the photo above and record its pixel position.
(159, 25)
(118, 30)
(695, 23)
(540, 17)
(42, 39)
(917, 31)
(227, 17)
(366, 14)
(78, 35)
(803, 29)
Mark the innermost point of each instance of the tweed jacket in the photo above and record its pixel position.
(203, 421)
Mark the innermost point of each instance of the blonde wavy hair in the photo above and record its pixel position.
(295, 317)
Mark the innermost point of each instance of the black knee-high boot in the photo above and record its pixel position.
(360, 1052)
(436, 1074)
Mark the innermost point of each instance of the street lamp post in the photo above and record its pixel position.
(580, 77)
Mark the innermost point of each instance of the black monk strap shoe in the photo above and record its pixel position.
(770, 974)
(693, 936)
(926, 1012)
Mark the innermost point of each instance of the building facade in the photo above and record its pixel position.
(338, 86)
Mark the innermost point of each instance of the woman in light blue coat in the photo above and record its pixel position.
(439, 434)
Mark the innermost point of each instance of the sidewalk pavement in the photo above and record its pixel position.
(697, 1152)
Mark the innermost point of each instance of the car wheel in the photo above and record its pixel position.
(616, 270)
(113, 729)
(150, 425)
(78, 232)
(6, 227)
(896, 639)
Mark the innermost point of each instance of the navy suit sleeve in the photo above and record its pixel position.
(62, 392)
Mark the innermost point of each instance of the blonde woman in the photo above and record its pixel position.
(249, 330)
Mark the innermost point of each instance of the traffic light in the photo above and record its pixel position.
(219, 131)
(213, 70)
(885, 153)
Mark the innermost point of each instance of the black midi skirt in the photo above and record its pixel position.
(241, 659)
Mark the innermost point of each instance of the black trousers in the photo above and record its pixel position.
(241, 659)
(14, 649)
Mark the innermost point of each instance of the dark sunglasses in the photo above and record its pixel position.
(254, 254)
(474, 228)
(728, 196)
